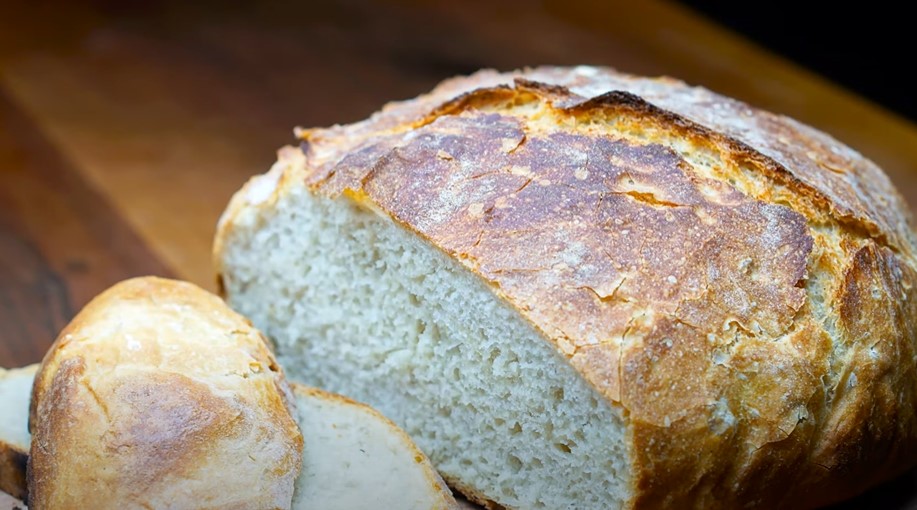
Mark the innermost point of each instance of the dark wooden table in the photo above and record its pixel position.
(124, 128)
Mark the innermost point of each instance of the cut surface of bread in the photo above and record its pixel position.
(15, 390)
(157, 395)
(357, 458)
(576, 288)
(471, 383)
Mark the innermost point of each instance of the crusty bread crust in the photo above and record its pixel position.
(741, 284)
(158, 395)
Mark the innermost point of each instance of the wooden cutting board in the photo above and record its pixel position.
(125, 127)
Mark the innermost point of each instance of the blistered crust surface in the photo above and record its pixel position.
(855, 190)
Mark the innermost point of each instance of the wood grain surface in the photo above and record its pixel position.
(126, 126)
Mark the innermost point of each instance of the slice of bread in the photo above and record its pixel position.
(357, 458)
(15, 389)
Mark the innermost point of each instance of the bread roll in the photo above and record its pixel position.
(581, 289)
(15, 388)
(158, 396)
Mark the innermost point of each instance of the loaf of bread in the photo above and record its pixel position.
(15, 388)
(157, 395)
(576, 288)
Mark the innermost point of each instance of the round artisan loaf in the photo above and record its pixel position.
(159, 396)
(581, 289)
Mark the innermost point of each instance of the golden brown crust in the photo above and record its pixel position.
(852, 187)
(703, 264)
(856, 191)
(871, 434)
(155, 394)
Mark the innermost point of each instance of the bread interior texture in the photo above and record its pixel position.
(361, 306)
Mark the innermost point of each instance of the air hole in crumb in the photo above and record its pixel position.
(514, 463)
(517, 429)
(558, 394)
(562, 447)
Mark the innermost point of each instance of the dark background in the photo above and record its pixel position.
(869, 48)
